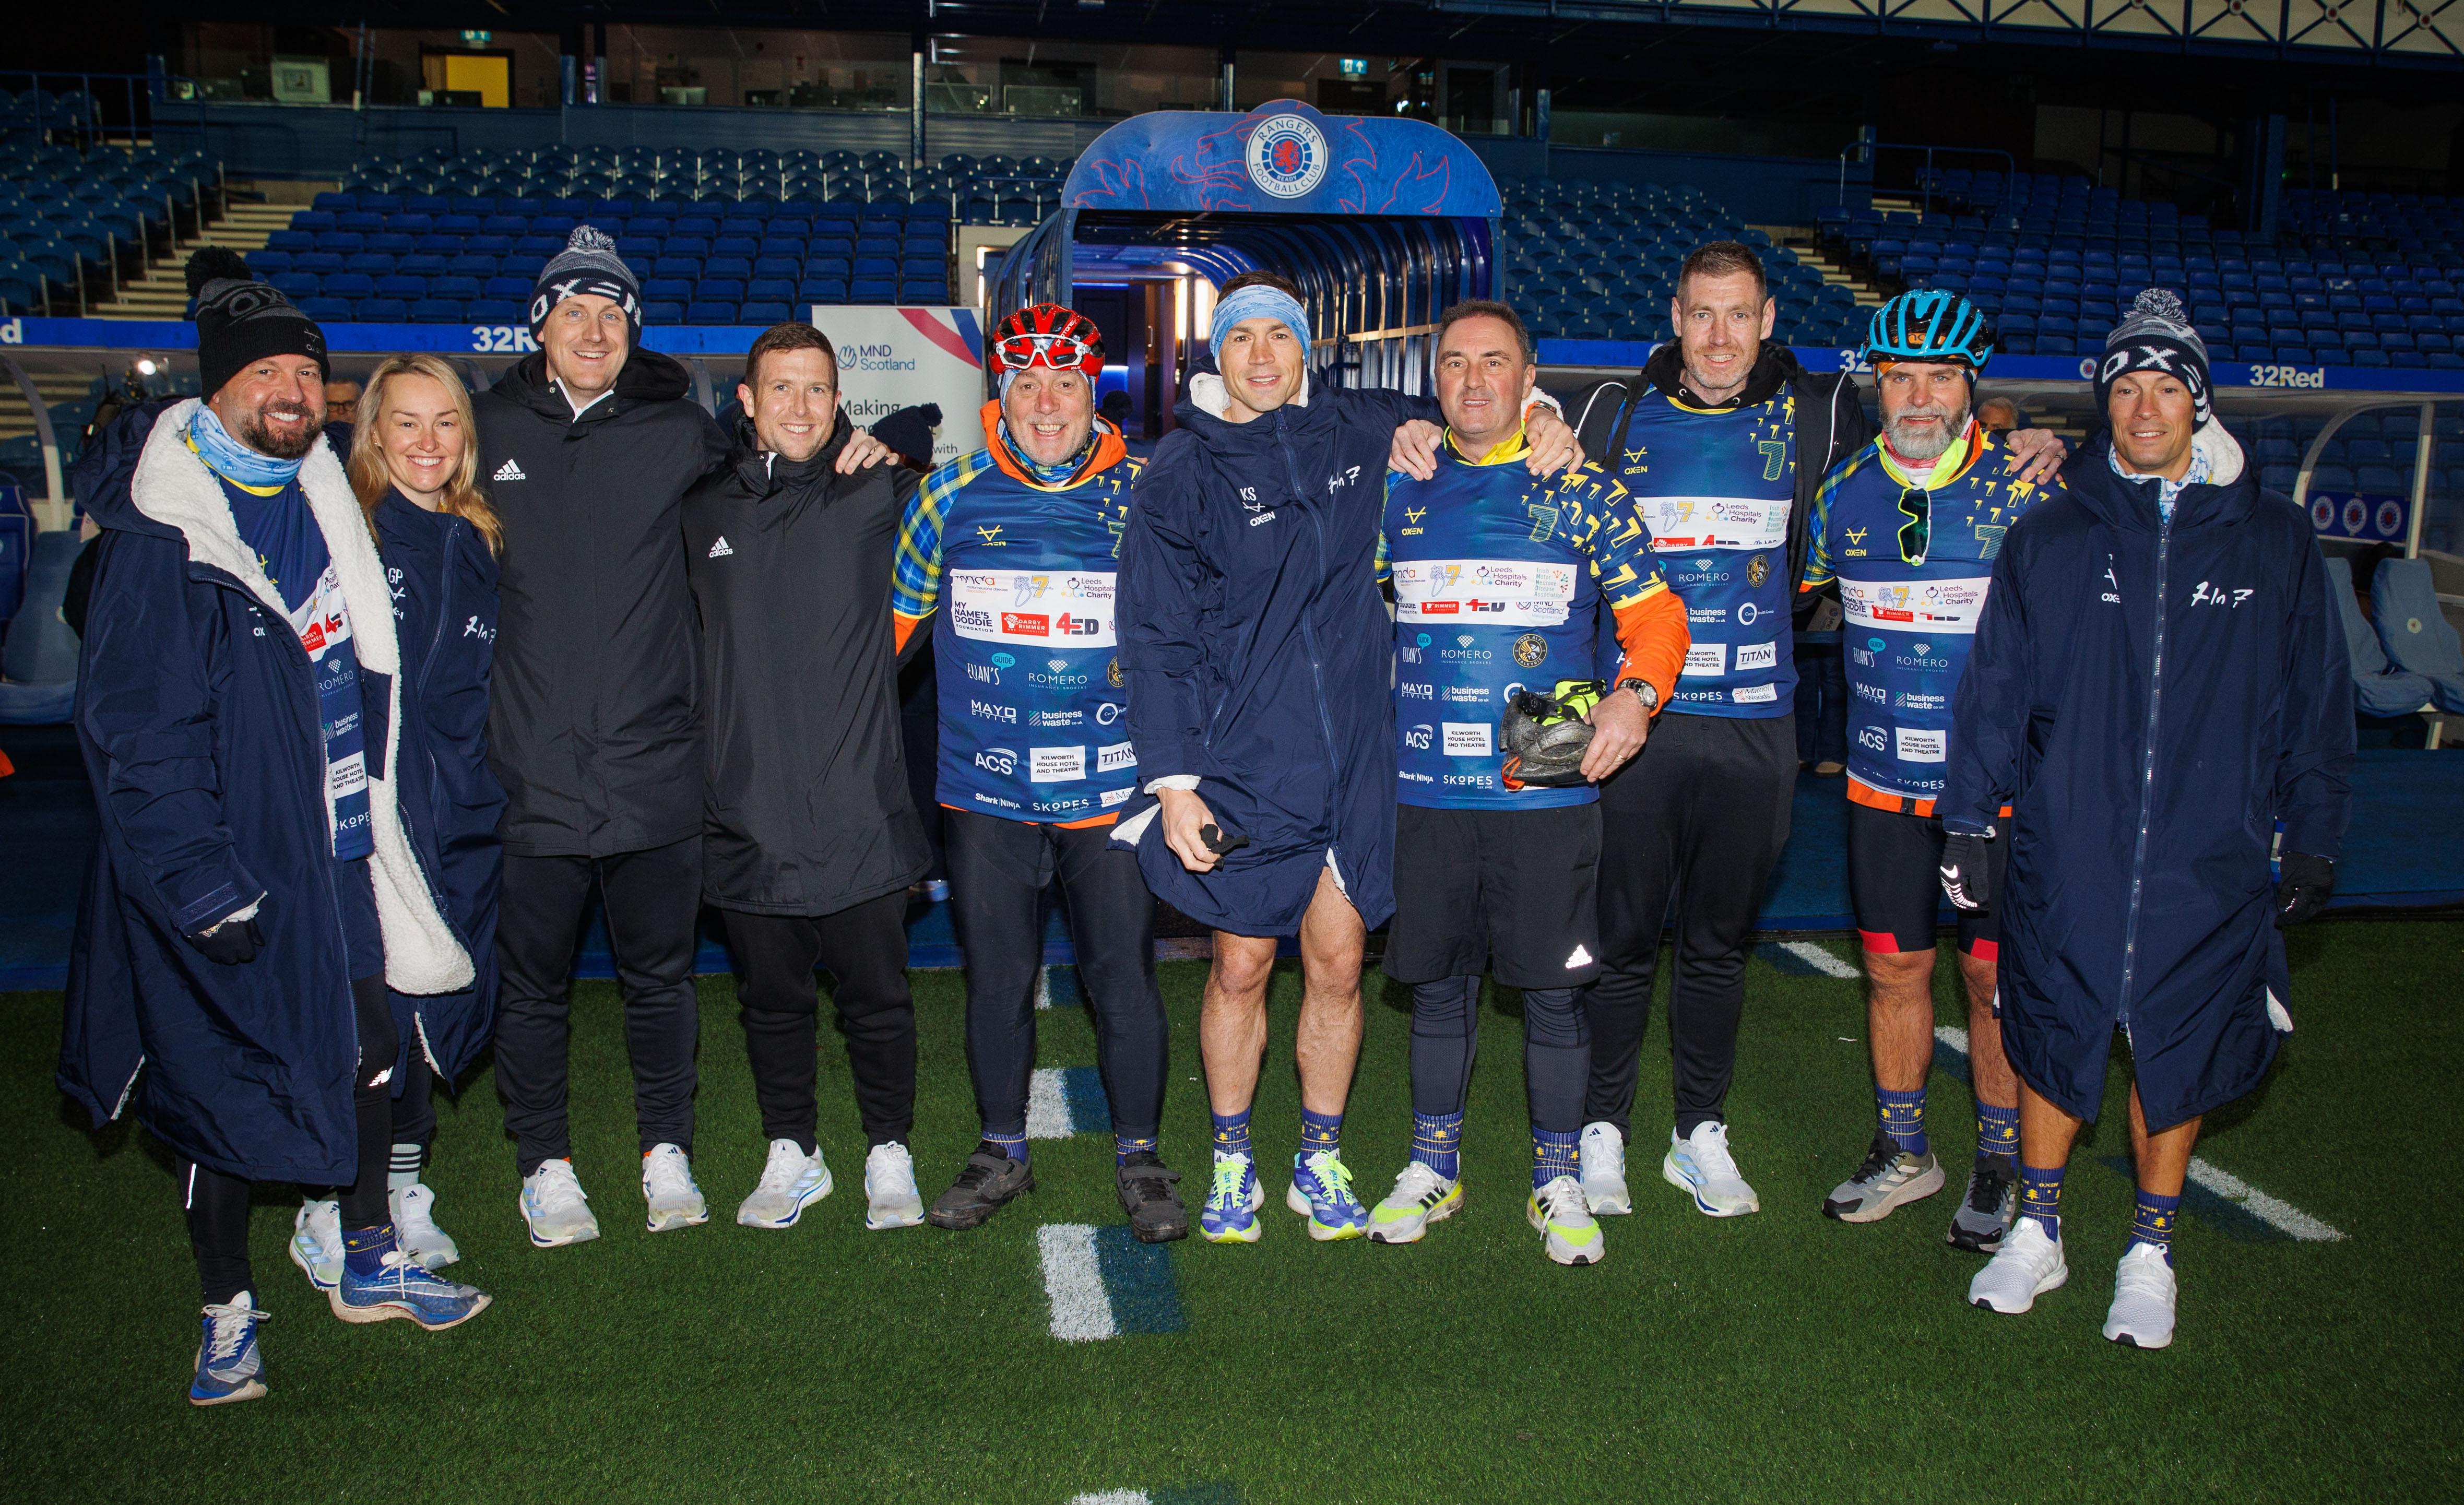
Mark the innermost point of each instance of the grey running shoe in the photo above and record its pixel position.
(1992, 1201)
(988, 1179)
(1155, 1212)
(1889, 1176)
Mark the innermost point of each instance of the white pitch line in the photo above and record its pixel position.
(1819, 959)
(1113, 1497)
(1048, 1106)
(2286, 1218)
(1043, 987)
(1081, 1311)
(2292, 1220)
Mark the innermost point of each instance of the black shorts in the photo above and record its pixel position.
(1895, 884)
(1512, 893)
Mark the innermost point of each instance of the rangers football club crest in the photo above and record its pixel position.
(1529, 650)
(1757, 569)
(1287, 156)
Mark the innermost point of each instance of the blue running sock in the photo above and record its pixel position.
(1125, 1145)
(1902, 1115)
(1321, 1131)
(1554, 1155)
(2040, 1197)
(364, 1250)
(1013, 1145)
(2153, 1222)
(1437, 1143)
(1232, 1133)
(1997, 1131)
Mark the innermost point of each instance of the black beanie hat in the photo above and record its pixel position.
(909, 432)
(241, 320)
(2156, 334)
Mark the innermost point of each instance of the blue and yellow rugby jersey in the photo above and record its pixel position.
(1498, 576)
(1030, 692)
(1714, 486)
(1911, 613)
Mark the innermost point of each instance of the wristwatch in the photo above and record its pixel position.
(1643, 691)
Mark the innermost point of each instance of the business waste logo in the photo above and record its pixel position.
(1287, 156)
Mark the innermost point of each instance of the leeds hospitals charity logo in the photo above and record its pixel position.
(1287, 156)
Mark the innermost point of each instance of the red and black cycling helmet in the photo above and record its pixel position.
(1049, 334)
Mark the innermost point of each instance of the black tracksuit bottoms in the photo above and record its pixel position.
(652, 900)
(1695, 820)
(865, 948)
(999, 873)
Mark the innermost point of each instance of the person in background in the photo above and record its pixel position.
(342, 402)
(1999, 415)
(2160, 696)
(811, 839)
(908, 433)
(414, 467)
(254, 893)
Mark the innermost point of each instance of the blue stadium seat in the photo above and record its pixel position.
(773, 311)
(438, 311)
(494, 311)
(708, 312)
(326, 310)
(381, 311)
(663, 312)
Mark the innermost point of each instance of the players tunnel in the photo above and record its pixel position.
(1382, 223)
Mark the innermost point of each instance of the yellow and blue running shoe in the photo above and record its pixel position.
(1230, 1215)
(1321, 1191)
(229, 1366)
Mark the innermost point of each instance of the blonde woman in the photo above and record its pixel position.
(413, 461)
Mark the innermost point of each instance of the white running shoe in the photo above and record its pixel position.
(1701, 1166)
(790, 1183)
(890, 1200)
(316, 1242)
(1603, 1160)
(553, 1208)
(2028, 1264)
(2144, 1296)
(1562, 1214)
(414, 1228)
(1421, 1197)
(667, 1187)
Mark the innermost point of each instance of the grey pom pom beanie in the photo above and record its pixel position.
(588, 263)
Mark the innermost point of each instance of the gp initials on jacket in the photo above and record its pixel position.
(2206, 595)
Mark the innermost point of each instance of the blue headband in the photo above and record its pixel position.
(1257, 300)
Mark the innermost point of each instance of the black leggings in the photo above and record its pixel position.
(865, 947)
(999, 872)
(217, 1205)
(1445, 1039)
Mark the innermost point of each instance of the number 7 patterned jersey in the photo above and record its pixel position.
(1912, 552)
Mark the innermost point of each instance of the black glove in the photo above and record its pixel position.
(1968, 873)
(230, 942)
(2303, 887)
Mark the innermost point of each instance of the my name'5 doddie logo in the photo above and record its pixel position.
(1287, 156)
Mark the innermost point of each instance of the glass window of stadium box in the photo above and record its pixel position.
(717, 65)
(1342, 85)
(1008, 76)
(280, 64)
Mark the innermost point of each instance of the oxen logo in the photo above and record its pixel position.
(1287, 156)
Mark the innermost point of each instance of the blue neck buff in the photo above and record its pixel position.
(1257, 301)
(1050, 474)
(233, 462)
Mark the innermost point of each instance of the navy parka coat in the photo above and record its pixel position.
(1257, 653)
(444, 585)
(198, 716)
(2150, 702)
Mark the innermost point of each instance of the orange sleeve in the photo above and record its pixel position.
(1655, 637)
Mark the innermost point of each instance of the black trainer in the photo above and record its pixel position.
(988, 1179)
(1145, 1184)
(1992, 1201)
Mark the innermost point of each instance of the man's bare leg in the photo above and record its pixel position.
(1988, 1069)
(1332, 937)
(2163, 1160)
(1899, 1017)
(1232, 1019)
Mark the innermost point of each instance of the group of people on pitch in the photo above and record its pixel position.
(370, 713)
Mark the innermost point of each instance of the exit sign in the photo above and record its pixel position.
(1356, 66)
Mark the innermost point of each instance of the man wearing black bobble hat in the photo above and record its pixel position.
(586, 449)
(2159, 682)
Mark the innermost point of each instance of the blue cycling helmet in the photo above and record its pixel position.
(1929, 326)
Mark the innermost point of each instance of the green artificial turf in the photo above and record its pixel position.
(1781, 1356)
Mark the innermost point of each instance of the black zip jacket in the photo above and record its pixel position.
(592, 722)
(809, 811)
(1831, 425)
